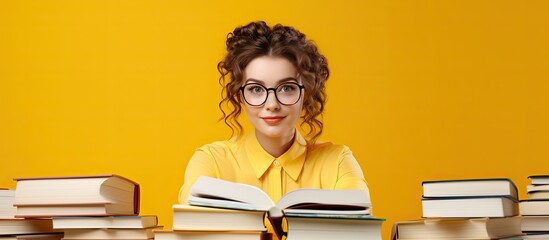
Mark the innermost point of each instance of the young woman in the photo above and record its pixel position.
(278, 77)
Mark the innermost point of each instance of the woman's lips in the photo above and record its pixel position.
(273, 119)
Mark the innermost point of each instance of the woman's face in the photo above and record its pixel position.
(272, 119)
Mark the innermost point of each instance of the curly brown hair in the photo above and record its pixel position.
(257, 39)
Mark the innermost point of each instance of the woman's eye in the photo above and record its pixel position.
(287, 88)
(255, 89)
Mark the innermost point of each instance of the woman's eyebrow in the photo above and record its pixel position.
(279, 81)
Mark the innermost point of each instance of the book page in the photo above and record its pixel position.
(213, 192)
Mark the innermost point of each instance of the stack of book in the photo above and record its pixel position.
(535, 209)
(465, 209)
(85, 207)
(19, 228)
(219, 209)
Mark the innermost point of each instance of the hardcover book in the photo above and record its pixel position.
(107, 233)
(7, 198)
(534, 207)
(210, 235)
(51, 236)
(25, 226)
(470, 188)
(470, 207)
(195, 218)
(146, 221)
(474, 228)
(327, 228)
(535, 224)
(97, 195)
(539, 179)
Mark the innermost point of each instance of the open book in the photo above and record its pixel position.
(212, 192)
(306, 202)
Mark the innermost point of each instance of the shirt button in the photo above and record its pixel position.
(275, 162)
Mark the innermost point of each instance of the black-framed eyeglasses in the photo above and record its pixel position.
(256, 94)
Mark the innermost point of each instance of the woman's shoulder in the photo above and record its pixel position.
(222, 146)
(327, 147)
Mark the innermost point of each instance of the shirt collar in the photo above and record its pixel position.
(291, 161)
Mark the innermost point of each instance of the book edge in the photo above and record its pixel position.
(473, 180)
(471, 197)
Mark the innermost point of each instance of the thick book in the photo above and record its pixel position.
(534, 207)
(106, 233)
(212, 192)
(471, 207)
(327, 228)
(51, 236)
(196, 218)
(535, 224)
(470, 187)
(97, 195)
(539, 179)
(538, 195)
(145, 221)
(474, 228)
(534, 188)
(211, 235)
(6, 192)
(7, 199)
(538, 236)
(25, 226)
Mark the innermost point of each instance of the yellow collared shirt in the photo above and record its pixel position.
(320, 165)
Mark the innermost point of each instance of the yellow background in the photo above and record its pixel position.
(420, 90)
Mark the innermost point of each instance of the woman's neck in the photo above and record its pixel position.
(275, 146)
